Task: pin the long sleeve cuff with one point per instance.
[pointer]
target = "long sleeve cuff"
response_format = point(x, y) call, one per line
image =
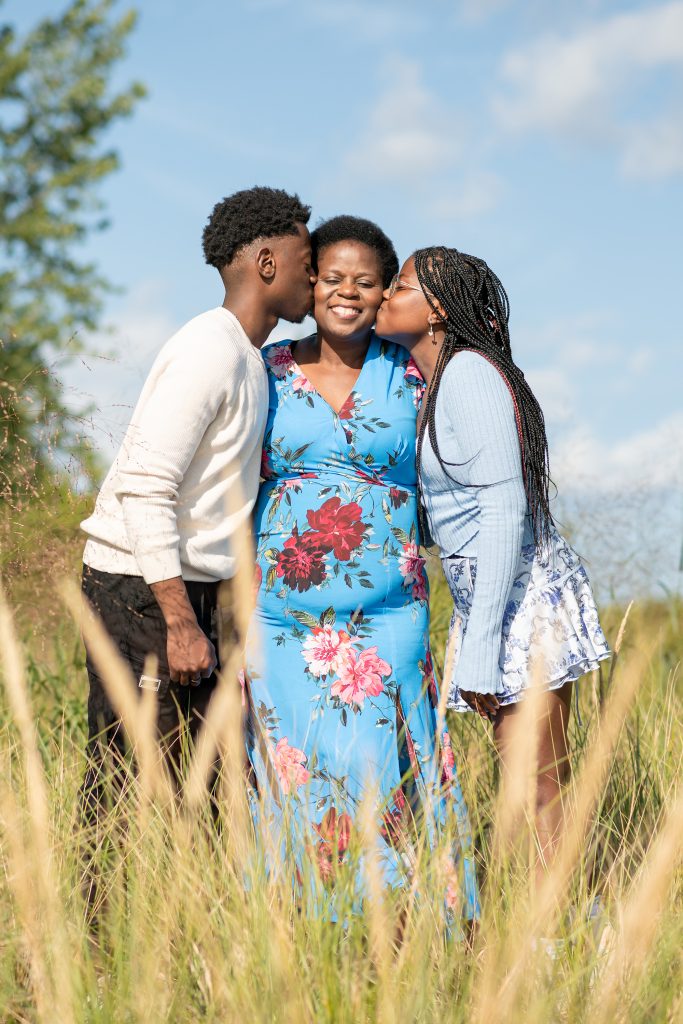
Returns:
point(156, 566)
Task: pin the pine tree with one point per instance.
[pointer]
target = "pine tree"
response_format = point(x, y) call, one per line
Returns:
point(56, 104)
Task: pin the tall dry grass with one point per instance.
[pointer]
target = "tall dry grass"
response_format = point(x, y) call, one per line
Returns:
point(203, 924)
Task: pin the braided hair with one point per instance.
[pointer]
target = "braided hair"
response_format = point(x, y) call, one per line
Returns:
point(477, 312)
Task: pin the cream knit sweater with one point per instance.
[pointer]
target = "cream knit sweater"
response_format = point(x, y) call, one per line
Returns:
point(187, 474)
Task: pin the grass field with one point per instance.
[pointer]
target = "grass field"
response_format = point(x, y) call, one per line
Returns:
point(183, 939)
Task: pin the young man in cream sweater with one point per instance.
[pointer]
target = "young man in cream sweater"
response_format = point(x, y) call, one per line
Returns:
point(160, 539)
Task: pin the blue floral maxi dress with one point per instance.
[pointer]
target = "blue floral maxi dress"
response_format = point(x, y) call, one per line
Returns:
point(340, 687)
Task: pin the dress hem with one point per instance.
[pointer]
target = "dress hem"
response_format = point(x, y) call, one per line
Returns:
point(507, 697)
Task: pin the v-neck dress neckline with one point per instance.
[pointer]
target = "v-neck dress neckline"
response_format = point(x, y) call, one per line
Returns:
point(302, 373)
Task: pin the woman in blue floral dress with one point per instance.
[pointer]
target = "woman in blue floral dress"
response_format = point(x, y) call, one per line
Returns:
point(339, 674)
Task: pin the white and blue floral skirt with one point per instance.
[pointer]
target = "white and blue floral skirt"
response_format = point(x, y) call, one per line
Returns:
point(550, 614)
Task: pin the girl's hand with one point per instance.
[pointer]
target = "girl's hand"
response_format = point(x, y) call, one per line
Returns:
point(485, 704)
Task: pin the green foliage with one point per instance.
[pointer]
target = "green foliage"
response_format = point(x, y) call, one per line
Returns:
point(56, 104)
point(40, 545)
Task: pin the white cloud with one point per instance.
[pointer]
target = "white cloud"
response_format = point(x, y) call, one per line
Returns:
point(648, 460)
point(653, 150)
point(573, 87)
point(407, 133)
point(639, 361)
point(412, 141)
point(469, 197)
point(558, 356)
point(577, 340)
point(554, 390)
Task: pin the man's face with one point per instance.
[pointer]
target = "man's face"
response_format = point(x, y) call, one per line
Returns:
point(292, 296)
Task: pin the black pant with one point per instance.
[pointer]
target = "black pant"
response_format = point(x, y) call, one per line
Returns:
point(133, 619)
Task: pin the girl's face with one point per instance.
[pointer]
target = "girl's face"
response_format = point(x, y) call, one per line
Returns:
point(348, 291)
point(403, 317)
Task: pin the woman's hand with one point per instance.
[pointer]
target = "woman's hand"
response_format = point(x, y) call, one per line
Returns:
point(485, 704)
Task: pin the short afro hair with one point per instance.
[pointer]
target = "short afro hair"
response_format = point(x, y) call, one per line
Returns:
point(245, 216)
point(345, 228)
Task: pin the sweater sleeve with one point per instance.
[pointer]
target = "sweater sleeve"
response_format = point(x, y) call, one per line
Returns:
point(483, 426)
point(166, 430)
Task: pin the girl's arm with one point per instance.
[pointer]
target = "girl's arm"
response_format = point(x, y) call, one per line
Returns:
point(482, 418)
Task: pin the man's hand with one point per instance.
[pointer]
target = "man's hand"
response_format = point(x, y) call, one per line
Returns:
point(191, 655)
point(485, 704)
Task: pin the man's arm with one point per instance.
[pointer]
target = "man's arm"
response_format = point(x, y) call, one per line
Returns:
point(191, 655)
point(178, 405)
point(167, 431)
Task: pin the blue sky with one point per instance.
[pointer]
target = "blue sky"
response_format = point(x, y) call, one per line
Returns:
point(545, 137)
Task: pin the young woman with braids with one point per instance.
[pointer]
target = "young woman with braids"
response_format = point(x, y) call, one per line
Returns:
point(520, 592)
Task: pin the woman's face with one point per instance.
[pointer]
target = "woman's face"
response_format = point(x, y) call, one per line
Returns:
point(349, 290)
point(404, 318)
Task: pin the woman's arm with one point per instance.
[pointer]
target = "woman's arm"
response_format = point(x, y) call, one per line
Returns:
point(482, 418)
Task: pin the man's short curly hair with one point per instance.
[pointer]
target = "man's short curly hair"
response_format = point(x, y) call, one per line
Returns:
point(253, 213)
point(346, 228)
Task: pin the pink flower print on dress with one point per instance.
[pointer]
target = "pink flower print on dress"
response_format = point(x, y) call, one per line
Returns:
point(410, 564)
point(243, 686)
point(412, 567)
point(326, 650)
point(335, 834)
point(280, 360)
point(415, 380)
point(413, 370)
point(360, 676)
point(302, 385)
point(295, 483)
point(289, 765)
point(447, 758)
point(453, 890)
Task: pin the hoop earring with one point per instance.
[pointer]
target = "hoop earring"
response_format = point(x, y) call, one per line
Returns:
point(431, 333)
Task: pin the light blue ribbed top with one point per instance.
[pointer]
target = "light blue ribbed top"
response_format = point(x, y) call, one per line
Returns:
point(479, 508)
